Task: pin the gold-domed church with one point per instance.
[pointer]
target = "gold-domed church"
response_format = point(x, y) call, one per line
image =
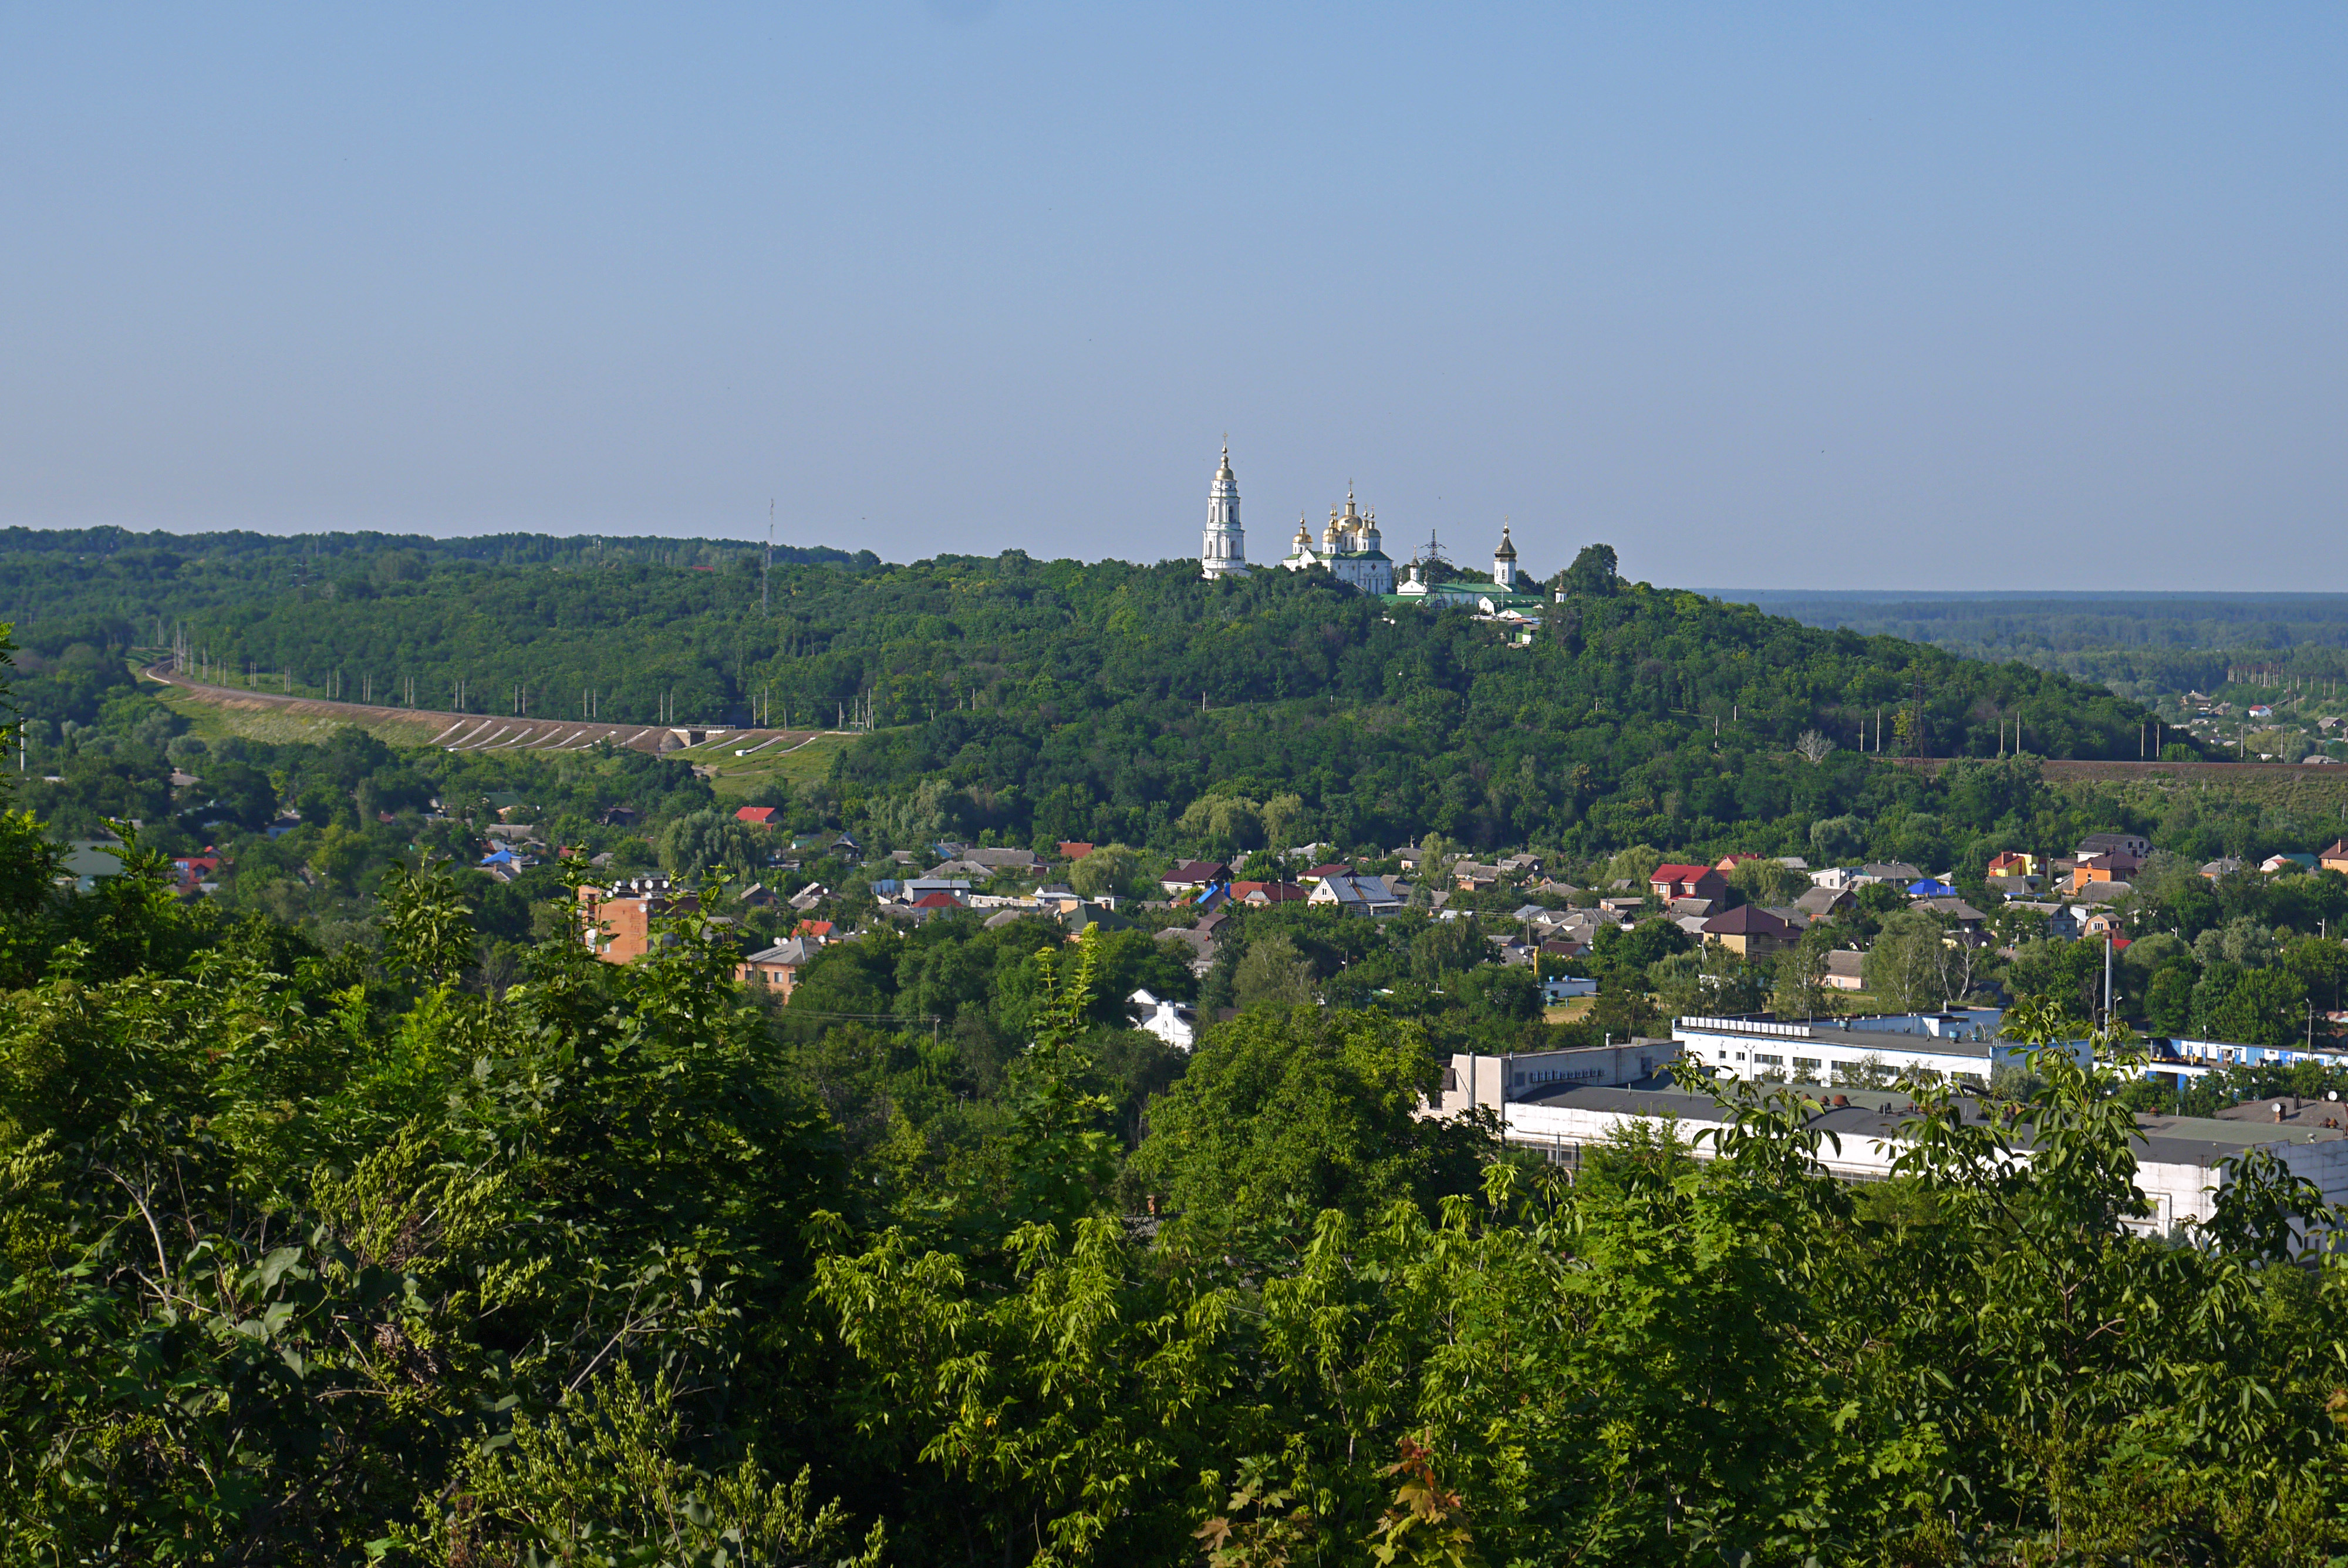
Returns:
point(1350, 548)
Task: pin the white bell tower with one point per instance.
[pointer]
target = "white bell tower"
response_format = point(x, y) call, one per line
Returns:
point(1223, 552)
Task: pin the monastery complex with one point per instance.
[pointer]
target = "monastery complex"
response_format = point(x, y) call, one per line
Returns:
point(1351, 550)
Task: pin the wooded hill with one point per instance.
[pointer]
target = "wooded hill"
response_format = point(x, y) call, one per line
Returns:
point(1059, 699)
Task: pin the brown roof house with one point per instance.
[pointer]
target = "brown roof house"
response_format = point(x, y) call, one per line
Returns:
point(1669, 882)
point(1750, 931)
point(1193, 875)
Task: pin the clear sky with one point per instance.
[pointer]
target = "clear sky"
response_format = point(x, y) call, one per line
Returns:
point(1851, 296)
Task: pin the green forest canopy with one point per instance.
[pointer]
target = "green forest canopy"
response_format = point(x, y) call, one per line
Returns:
point(1099, 700)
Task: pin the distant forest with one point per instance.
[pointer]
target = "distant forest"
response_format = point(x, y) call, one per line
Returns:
point(1103, 700)
point(2140, 645)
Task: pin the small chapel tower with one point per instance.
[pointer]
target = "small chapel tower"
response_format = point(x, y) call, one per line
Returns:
point(1504, 562)
point(1223, 552)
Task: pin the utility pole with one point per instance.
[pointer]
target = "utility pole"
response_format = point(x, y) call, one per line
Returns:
point(768, 570)
point(2107, 978)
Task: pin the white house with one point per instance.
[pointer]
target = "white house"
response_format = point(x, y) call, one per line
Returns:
point(1170, 1021)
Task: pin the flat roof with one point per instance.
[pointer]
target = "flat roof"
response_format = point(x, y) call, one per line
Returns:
point(1877, 1113)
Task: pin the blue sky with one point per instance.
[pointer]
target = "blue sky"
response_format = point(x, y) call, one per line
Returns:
point(1835, 297)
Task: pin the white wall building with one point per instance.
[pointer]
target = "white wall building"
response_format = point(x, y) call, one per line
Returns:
point(1960, 1045)
point(2181, 1159)
point(1170, 1021)
point(1350, 548)
point(1224, 551)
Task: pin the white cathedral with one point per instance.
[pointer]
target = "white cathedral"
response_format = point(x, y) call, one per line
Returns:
point(1349, 548)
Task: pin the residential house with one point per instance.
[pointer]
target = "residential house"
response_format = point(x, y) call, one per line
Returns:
point(1727, 863)
point(1516, 865)
point(1678, 881)
point(818, 932)
point(1473, 877)
point(2014, 886)
point(777, 969)
point(87, 862)
point(935, 900)
point(1259, 895)
point(1846, 971)
point(809, 896)
point(1200, 940)
point(2097, 844)
point(1750, 931)
point(1841, 878)
point(1193, 876)
point(914, 889)
point(1087, 916)
point(1334, 868)
point(2104, 892)
point(503, 864)
point(1897, 872)
point(1073, 849)
point(2336, 857)
point(826, 845)
point(2225, 865)
point(1356, 894)
point(2116, 865)
point(2014, 863)
point(198, 873)
point(2279, 865)
point(1565, 988)
point(1954, 911)
point(2101, 923)
point(758, 815)
point(1170, 1021)
point(616, 921)
point(1003, 859)
point(1929, 887)
point(1826, 903)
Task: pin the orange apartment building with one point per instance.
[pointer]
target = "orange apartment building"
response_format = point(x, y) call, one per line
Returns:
point(619, 918)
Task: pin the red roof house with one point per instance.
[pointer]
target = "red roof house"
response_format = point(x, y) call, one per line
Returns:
point(1073, 849)
point(757, 816)
point(1679, 881)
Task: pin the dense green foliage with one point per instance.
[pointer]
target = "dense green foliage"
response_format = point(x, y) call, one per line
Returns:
point(315, 1257)
point(307, 1260)
point(2139, 644)
point(1038, 700)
